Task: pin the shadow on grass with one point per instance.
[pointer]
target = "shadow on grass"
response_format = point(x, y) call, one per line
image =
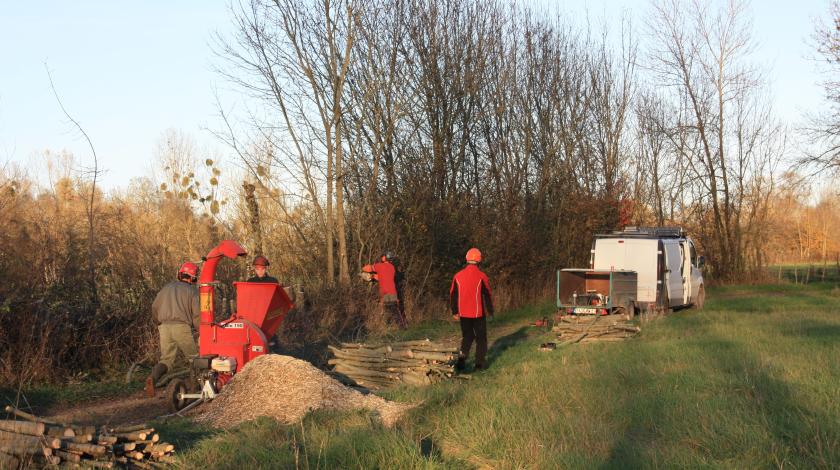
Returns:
point(796, 429)
point(183, 432)
point(799, 435)
point(504, 342)
point(642, 431)
point(816, 329)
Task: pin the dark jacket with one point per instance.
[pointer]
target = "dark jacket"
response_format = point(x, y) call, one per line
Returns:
point(264, 279)
point(177, 302)
point(469, 296)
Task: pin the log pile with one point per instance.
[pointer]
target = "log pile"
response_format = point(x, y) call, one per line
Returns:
point(381, 366)
point(573, 329)
point(29, 440)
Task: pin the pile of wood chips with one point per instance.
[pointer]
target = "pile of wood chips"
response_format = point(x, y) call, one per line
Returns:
point(380, 366)
point(572, 329)
point(35, 441)
point(285, 388)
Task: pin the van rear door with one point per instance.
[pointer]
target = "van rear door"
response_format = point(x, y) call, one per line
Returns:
point(673, 272)
point(640, 255)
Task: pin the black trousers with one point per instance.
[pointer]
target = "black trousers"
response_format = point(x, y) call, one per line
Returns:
point(474, 329)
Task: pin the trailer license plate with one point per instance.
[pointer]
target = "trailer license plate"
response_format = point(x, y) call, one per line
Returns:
point(585, 310)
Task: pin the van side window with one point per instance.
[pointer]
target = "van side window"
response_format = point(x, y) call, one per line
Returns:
point(693, 253)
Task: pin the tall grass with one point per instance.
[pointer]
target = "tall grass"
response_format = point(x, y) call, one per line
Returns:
point(753, 381)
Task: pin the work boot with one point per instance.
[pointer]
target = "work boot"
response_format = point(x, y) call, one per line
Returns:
point(158, 371)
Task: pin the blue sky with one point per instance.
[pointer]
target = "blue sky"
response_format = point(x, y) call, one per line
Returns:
point(127, 71)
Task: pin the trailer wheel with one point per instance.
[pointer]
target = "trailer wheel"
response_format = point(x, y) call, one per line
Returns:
point(174, 390)
point(701, 299)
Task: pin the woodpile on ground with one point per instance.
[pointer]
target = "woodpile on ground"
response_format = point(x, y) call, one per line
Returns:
point(573, 329)
point(32, 442)
point(380, 366)
point(285, 388)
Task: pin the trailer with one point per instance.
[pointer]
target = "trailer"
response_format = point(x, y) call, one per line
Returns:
point(596, 292)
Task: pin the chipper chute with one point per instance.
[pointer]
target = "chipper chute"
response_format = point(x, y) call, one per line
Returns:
point(225, 347)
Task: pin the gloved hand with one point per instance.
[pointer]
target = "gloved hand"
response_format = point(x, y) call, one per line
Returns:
point(456, 317)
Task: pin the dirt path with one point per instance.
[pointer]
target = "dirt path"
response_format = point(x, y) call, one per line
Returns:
point(132, 409)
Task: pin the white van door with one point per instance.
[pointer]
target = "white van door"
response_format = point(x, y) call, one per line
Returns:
point(685, 269)
point(673, 272)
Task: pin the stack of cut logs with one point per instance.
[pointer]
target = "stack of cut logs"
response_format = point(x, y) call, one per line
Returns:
point(588, 329)
point(381, 366)
point(39, 442)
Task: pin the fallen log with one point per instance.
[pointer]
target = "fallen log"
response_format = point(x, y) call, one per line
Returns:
point(23, 427)
point(29, 417)
point(22, 449)
point(163, 448)
point(46, 441)
point(132, 436)
point(84, 429)
point(125, 447)
point(60, 431)
point(131, 428)
point(364, 372)
point(90, 449)
point(82, 439)
point(106, 440)
point(97, 463)
point(68, 456)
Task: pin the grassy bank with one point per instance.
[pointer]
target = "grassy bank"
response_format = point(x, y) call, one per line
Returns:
point(752, 381)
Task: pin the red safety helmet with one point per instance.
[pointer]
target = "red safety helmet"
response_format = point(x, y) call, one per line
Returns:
point(473, 256)
point(189, 269)
point(261, 261)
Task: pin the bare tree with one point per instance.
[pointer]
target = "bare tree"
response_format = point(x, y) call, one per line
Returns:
point(294, 56)
point(90, 208)
point(725, 132)
point(824, 129)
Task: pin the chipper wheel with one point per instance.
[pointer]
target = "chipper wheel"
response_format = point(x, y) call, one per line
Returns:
point(174, 390)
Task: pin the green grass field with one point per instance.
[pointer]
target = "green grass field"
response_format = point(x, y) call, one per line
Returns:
point(753, 381)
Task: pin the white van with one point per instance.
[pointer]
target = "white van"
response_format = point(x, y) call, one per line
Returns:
point(665, 259)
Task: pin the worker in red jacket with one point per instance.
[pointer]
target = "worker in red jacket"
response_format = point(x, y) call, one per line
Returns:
point(386, 274)
point(471, 302)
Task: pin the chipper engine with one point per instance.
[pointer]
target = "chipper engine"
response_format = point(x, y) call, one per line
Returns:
point(225, 347)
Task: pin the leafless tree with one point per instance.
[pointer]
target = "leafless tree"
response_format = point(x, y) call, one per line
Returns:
point(725, 134)
point(294, 57)
point(90, 208)
point(823, 129)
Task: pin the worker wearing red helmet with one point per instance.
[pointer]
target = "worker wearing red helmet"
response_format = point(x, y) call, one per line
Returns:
point(386, 274)
point(177, 313)
point(261, 265)
point(471, 302)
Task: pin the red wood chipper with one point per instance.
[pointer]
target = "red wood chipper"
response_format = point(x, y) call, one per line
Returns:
point(225, 347)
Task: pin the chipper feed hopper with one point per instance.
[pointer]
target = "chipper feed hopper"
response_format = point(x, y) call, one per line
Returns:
point(225, 347)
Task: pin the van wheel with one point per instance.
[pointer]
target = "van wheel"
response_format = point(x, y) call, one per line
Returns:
point(701, 299)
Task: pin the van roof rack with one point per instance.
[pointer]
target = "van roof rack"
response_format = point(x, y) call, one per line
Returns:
point(632, 231)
